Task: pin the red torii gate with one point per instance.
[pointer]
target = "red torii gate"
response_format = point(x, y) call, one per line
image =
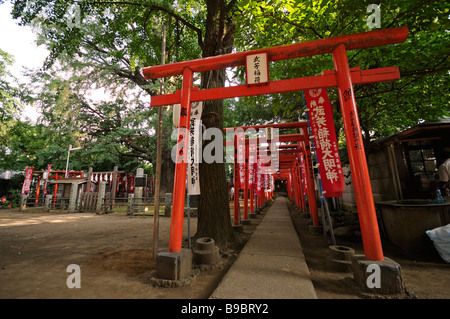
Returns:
point(303, 148)
point(343, 78)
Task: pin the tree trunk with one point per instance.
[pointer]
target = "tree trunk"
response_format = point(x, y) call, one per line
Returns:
point(167, 167)
point(213, 212)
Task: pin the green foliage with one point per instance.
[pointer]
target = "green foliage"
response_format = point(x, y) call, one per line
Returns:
point(384, 108)
point(13, 201)
point(12, 94)
point(115, 39)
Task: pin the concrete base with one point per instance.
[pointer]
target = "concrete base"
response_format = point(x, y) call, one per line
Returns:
point(339, 258)
point(252, 216)
point(206, 252)
point(238, 228)
point(389, 275)
point(245, 222)
point(174, 266)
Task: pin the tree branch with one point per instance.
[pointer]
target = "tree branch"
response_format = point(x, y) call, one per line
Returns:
point(408, 11)
point(292, 23)
point(162, 9)
point(143, 156)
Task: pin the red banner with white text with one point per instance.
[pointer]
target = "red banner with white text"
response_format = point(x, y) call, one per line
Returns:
point(27, 181)
point(320, 114)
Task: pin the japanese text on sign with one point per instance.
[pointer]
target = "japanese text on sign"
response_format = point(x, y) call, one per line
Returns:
point(257, 69)
point(322, 126)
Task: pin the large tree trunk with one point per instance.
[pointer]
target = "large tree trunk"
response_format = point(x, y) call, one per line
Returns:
point(213, 211)
point(167, 171)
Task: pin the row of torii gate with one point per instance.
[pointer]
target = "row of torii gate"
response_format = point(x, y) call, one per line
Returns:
point(289, 158)
point(342, 77)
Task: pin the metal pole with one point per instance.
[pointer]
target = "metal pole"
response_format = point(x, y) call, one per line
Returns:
point(358, 164)
point(189, 220)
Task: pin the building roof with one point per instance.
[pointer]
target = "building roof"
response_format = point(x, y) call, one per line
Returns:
point(78, 180)
point(431, 130)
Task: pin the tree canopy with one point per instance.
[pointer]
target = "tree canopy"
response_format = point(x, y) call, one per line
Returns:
point(105, 44)
point(384, 108)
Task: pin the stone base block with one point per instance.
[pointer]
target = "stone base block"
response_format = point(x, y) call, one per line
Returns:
point(339, 258)
point(174, 266)
point(245, 222)
point(206, 252)
point(206, 257)
point(377, 277)
point(252, 216)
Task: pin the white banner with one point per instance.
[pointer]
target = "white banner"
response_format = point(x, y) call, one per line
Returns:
point(194, 151)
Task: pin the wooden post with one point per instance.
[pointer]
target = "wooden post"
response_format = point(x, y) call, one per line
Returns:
point(158, 158)
point(73, 197)
point(101, 196)
point(84, 199)
point(38, 188)
point(114, 186)
point(48, 201)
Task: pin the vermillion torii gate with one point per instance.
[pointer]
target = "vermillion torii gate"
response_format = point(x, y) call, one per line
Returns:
point(343, 78)
point(304, 148)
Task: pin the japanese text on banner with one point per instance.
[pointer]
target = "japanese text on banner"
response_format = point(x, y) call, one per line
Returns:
point(322, 126)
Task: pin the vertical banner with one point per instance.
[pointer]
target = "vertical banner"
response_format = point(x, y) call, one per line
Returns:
point(322, 126)
point(269, 134)
point(241, 157)
point(252, 165)
point(46, 176)
point(303, 170)
point(194, 151)
point(272, 138)
point(259, 179)
point(27, 181)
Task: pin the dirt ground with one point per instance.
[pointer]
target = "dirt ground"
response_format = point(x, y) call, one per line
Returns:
point(114, 252)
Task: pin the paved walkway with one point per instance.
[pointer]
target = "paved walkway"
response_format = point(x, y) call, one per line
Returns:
point(272, 264)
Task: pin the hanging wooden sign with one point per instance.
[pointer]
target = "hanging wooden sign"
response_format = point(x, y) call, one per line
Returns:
point(257, 69)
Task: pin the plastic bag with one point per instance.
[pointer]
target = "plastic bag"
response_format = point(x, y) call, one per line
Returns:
point(441, 240)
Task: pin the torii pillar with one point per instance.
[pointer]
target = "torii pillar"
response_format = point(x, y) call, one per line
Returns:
point(358, 164)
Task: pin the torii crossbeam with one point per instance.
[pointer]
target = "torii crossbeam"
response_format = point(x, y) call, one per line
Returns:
point(342, 77)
